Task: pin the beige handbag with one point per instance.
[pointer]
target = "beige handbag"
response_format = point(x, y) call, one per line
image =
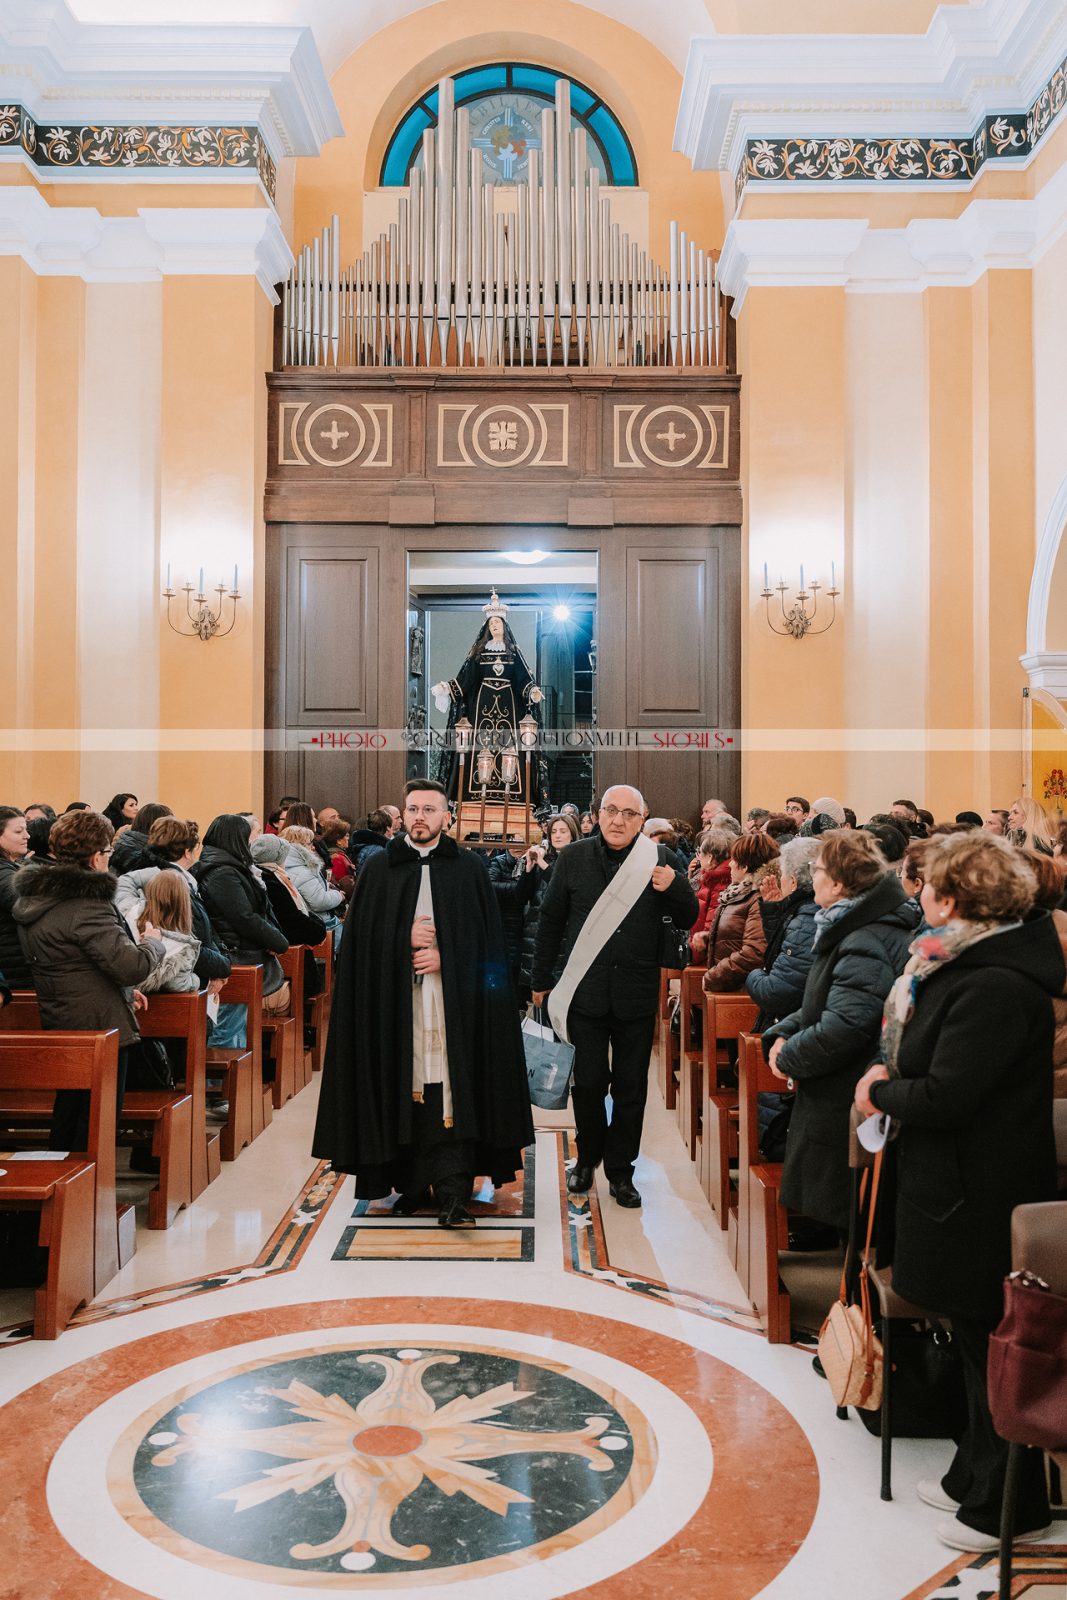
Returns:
point(850, 1353)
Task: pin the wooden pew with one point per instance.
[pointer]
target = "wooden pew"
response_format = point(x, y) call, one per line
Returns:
point(168, 1112)
point(292, 963)
point(285, 1032)
point(726, 1017)
point(184, 1016)
point(690, 1058)
point(244, 987)
point(667, 1046)
point(317, 1007)
point(763, 1223)
point(30, 1062)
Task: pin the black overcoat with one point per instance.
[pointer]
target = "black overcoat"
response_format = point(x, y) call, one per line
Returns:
point(624, 978)
point(974, 1103)
point(365, 1120)
point(832, 1040)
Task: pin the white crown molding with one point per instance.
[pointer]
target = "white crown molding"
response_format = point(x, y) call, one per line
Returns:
point(972, 61)
point(76, 241)
point(1047, 670)
point(949, 252)
point(62, 70)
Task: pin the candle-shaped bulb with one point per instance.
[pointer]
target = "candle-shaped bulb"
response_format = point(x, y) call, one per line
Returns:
point(168, 574)
point(201, 588)
point(235, 578)
point(833, 576)
point(802, 579)
point(766, 585)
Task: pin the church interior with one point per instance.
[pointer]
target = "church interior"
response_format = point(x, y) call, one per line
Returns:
point(605, 398)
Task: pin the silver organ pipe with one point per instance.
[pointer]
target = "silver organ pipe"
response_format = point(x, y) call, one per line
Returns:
point(463, 228)
point(458, 279)
point(549, 266)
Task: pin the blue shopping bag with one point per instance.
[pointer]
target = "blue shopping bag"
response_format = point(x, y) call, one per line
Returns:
point(549, 1062)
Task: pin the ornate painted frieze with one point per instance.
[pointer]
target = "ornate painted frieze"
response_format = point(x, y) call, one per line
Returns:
point(144, 146)
point(853, 158)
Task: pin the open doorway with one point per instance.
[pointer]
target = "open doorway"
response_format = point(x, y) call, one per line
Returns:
point(547, 606)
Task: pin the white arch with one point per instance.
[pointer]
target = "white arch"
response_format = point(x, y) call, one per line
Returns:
point(1044, 566)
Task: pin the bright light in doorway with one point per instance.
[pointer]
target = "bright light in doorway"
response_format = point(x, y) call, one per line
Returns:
point(524, 558)
point(561, 613)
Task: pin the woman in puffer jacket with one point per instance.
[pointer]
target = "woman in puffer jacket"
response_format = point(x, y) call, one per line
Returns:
point(736, 940)
point(168, 907)
point(308, 877)
point(777, 985)
point(173, 846)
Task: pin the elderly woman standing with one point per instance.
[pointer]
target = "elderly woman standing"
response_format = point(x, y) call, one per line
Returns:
point(863, 928)
point(967, 1047)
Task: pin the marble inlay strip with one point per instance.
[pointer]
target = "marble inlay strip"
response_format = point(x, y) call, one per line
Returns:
point(904, 158)
point(585, 1253)
point(1036, 1570)
point(282, 1252)
point(428, 1242)
point(140, 147)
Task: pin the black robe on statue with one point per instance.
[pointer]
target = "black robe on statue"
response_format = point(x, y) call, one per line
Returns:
point(365, 1122)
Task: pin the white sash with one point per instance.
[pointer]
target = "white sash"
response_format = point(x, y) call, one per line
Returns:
point(616, 902)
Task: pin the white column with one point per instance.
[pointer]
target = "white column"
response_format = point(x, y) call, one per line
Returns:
point(119, 606)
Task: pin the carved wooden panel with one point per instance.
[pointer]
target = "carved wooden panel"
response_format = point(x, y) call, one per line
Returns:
point(668, 436)
point(534, 435)
point(331, 635)
point(671, 643)
point(572, 446)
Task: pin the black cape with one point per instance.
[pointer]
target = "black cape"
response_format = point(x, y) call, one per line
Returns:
point(365, 1117)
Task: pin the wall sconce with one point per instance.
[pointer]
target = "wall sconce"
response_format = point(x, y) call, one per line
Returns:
point(206, 623)
point(798, 620)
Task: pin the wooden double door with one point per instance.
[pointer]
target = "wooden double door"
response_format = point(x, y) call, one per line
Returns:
point(668, 656)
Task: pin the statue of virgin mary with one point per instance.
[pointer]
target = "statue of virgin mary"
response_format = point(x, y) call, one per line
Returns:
point(494, 689)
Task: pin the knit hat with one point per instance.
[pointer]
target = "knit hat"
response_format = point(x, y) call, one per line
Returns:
point(829, 808)
point(271, 849)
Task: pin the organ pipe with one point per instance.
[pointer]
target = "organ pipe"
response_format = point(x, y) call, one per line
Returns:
point(456, 280)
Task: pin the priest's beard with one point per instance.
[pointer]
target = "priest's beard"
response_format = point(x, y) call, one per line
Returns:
point(425, 834)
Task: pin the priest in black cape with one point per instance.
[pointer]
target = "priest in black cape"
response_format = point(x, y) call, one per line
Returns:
point(424, 1083)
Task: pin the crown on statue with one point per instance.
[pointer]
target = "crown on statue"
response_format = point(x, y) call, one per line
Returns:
point(496, 607)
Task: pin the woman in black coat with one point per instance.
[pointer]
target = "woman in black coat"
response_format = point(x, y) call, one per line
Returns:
point(862, 936)
point(237, 903)
point(968, 1077)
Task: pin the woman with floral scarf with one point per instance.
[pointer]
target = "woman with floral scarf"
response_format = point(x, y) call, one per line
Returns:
point(966, 1079)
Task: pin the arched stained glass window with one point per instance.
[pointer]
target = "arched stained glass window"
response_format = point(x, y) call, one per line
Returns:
point(505, 104)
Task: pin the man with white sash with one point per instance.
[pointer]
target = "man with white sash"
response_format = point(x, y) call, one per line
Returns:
point(605, 909)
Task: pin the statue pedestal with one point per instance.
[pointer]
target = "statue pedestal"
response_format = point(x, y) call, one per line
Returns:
point(483, 828)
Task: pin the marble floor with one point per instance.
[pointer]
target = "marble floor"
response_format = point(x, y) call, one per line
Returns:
point(288, 1392)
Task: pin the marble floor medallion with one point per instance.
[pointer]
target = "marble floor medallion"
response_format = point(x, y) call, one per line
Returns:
point(491, 1449)
point(454, 1459)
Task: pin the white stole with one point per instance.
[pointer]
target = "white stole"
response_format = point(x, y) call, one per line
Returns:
point(613, 906)
point(429, 1047)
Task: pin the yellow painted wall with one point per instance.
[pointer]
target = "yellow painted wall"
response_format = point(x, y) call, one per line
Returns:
point(1048, 766)
point(376, 85)
point(792, 354)
point(824, 16)
point(132, 432)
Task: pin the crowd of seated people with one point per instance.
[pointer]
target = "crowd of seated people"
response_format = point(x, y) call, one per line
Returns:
point(910, 966)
